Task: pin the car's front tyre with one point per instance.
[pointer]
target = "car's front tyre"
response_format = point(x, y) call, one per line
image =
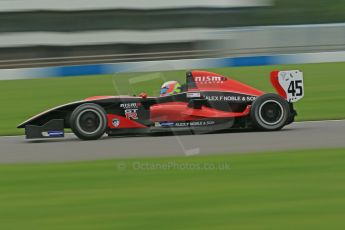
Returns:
point(269, 112)
point(88, 121)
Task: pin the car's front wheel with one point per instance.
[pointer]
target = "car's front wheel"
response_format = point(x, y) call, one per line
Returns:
point(269, 112)
point(88, 121)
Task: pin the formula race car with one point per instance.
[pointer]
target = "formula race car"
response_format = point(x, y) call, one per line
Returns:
point(207, 102)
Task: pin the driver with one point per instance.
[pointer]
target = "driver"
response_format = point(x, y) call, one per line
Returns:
point(170, 88)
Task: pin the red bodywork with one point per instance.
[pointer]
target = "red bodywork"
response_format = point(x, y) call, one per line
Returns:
point(179, 111)
point(276, 85)
point(207, 81)
point(204, 81)
point(124, 123)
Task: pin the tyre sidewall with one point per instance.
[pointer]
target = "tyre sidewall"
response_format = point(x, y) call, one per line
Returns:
point(258, 122)
point(80, 132)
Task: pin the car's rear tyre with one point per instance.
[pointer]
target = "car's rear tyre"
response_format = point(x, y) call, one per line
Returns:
point(88, 121)
point(269, 112)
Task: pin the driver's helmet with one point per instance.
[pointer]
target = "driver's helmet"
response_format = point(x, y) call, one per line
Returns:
point(170, 88)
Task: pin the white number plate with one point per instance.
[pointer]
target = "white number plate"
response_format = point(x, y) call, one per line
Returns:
point(292, 83)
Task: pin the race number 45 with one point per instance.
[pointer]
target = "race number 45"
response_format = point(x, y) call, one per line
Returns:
point(292, 83)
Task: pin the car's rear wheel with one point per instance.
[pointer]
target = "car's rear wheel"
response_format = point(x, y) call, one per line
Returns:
point(269, 112)
point(88, 121)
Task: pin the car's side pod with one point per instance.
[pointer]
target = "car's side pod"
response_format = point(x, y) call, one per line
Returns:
point(197, 103)
point(288, 84)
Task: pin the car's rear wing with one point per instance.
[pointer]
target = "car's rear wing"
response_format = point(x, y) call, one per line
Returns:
point(289, 84)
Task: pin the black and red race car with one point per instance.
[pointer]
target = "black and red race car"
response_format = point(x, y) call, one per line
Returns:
point(208, 102)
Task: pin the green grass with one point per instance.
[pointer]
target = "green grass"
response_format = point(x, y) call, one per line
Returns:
point(20, 99)
point(287, 190)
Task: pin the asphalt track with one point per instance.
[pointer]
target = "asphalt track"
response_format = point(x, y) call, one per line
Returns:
point(300, 135)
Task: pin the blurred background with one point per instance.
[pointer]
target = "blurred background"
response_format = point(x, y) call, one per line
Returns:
point(45, 42)
point(106, 43)
point(51, 33)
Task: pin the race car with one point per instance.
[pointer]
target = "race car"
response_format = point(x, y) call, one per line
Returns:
point(207, 102)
